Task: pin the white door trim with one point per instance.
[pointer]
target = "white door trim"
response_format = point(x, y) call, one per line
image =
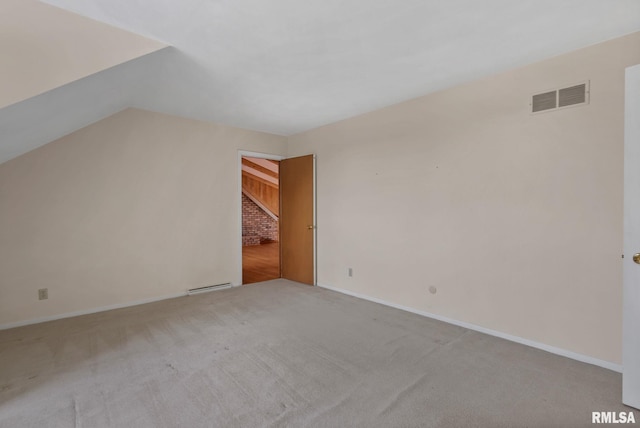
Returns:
point(241, 154)
point(630, 270)
point(315, 223)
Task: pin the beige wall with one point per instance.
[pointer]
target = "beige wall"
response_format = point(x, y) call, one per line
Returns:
point(137, 206)
point(515, 218)
point(49, 47)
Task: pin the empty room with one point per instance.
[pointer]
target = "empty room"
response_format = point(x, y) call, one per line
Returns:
point(269, 213)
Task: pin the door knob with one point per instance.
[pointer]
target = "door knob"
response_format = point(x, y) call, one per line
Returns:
point(311, 227)
point(636, 258)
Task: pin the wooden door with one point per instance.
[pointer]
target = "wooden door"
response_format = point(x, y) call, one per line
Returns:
point(631, 264)
point(297, 228)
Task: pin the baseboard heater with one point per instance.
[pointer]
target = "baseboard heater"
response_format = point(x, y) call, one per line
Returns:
point(208, 288)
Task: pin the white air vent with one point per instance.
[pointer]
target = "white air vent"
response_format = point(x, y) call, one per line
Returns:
point(560, 98)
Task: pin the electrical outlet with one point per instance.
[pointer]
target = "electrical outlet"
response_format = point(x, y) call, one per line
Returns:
point(350, 272)
point(43, 294)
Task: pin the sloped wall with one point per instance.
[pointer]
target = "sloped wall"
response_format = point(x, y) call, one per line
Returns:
point(45, 47)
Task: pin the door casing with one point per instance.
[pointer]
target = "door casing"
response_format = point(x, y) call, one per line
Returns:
point(631, 270)
point(241, 154)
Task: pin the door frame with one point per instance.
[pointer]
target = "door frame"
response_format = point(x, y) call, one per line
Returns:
point(315, 223)
point(241, 154)
point(630, 287)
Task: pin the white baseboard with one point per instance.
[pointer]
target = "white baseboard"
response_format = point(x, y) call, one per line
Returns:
point(533, 344)
point(90, 311)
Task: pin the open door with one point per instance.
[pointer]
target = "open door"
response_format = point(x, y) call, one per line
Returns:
point(631, 261)
point(297, 225)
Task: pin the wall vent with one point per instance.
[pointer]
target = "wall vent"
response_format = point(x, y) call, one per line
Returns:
point(572, 95)
point(542, 102)
point(556, 99)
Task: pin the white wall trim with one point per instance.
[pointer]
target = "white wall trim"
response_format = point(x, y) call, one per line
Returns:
point(512, 338)
point(527, 342)
point(90, 311)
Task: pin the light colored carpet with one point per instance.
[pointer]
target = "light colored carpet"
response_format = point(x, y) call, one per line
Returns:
point(283, 354)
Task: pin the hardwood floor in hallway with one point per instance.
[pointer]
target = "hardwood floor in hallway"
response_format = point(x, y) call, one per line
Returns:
point(260, 262)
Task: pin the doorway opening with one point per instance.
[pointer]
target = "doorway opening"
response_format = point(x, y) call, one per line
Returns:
point(260, 219)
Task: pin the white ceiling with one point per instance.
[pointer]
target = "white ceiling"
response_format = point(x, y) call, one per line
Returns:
point(285, 66)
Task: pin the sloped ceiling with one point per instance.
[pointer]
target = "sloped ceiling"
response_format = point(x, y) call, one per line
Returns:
point(59, 73)
point(285, 66)
point(44, 47)
point(29, 124)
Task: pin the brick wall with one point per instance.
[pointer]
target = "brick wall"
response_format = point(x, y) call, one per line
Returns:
point(257, 226)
